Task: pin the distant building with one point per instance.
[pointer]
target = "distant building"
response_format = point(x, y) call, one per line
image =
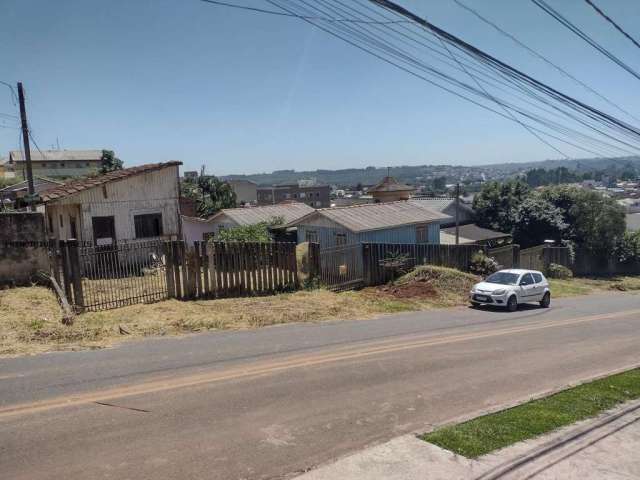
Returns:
point(245, 190)
point(133, 203)
point(190, 175)
point(447, 206)
point(57, 163)
point(389, 222)
point(199, 229)
point(390, 190)
point(317, 196)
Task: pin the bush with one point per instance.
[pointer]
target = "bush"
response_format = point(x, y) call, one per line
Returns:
point(559, 271)
point(481, 264)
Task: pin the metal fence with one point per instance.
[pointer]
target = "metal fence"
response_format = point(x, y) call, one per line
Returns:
point(341, 267)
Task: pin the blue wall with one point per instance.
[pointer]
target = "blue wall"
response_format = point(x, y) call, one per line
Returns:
point(403, 234)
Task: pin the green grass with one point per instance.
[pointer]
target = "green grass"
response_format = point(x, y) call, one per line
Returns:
point(483, 435)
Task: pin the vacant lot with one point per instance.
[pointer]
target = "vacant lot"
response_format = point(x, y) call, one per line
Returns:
point(30, 318)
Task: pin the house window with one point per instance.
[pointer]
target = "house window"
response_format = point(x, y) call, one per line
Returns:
point(421, 234)
point(50, 224)
point(148, 225)
point(72, 226)
point(341, 238)
point(311, 236)
point(303, 195)
point(61, 222)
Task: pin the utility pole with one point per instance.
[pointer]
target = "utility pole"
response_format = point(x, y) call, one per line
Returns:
point(457, 214)
point(27, 149)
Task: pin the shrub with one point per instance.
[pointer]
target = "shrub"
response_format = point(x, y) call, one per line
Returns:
point(559, 271)
point(481, 264)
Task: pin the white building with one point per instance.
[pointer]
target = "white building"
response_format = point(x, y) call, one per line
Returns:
point(245, 190)
point(57, 163)
point(133, 203)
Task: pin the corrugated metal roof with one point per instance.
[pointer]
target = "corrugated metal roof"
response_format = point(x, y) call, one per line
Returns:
point(57, 155)
point(449, 239)
point(252, 215)
point(79, 185)
point(438, 204)
point(475, 233)
point(379, 216)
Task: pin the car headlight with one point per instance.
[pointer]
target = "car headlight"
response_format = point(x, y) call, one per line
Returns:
point(502, 291)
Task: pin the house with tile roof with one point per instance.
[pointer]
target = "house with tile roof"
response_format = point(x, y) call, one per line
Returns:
point(390, 190)
point(199, 229)
point(140, 202)
point(389, 222)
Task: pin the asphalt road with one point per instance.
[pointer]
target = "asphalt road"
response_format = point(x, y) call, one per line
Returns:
point(274, 402)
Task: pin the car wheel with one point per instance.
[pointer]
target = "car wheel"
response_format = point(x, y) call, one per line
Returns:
point(512, 303)
point(546, 300)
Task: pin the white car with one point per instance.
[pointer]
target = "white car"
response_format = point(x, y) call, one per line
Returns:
point(509, 288)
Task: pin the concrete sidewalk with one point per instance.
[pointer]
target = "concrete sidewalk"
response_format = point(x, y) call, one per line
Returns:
point(605, 447)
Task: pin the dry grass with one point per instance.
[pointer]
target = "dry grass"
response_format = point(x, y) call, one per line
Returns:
point(30, 318)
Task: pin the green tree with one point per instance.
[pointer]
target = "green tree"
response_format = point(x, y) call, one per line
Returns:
point(537, 220)
point(628, 249)
point(259, 232)
point(109, 162)
point(497, 203)
point(210, 194)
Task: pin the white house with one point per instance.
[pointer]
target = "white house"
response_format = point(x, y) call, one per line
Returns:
point(58, 163)
point(133, 203)
point(198, 229)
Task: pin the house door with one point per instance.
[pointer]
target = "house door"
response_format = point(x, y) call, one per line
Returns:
point(104, 231)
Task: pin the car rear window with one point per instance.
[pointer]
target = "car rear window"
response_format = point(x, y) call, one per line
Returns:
point(537, 277)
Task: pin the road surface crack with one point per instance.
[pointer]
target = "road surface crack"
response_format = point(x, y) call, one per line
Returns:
point(121, 406)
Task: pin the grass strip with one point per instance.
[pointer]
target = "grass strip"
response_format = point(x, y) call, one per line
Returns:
point(485, 434)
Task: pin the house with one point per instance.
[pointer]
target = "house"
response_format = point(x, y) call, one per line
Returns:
point(473, 234)
point(245, 190)
point(447, 205)
point(14, 193)
point(198, 229)
point(317, 196)
point(390, 190)
point(133, 203)
point(391, 222)
point(58, 163)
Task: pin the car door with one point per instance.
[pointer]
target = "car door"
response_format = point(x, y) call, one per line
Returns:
point(527, 288)
point(538, 285)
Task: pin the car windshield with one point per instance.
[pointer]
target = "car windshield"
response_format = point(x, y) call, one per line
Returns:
point(503, 278)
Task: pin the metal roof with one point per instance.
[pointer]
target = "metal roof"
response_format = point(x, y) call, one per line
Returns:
point(438, 204)
point(475, 233)
point(57, 155)
point(252, 215)
point(81, 184)
point(378, 216)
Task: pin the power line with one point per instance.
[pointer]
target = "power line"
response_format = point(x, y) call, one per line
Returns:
point(610, 20)
point(369, 48)
point(557, 16)
point(286, 14)
point(542, 57)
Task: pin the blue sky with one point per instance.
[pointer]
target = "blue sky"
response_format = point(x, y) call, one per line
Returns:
point(243, 93)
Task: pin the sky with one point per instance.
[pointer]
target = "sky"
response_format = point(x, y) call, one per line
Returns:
point(239, 92)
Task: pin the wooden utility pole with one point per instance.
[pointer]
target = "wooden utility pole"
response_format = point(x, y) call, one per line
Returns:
point(457, 214)
point(27, 149)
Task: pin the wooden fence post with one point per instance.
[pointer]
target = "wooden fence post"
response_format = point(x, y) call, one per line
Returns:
point(74, 260)
point(169, 269)
point(314, 260)
point(66, 270)
point(366, 264)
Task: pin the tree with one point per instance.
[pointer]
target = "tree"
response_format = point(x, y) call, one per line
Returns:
point(440, 184)
point(109, 162)
point(259, 232)
point(497, 203)
point(537, 220)
point(210, 194)
point(628, 249)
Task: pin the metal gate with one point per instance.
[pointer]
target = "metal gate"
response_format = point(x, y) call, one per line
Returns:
point(341, 267)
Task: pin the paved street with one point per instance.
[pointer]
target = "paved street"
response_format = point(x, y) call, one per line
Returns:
point(274, 402)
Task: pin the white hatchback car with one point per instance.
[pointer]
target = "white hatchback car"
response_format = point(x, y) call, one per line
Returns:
point(509, 288)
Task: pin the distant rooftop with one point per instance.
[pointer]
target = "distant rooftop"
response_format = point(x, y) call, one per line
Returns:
point(390, 184)
point(57, 155)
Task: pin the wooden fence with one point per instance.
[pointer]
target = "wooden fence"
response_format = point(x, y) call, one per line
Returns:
point(100, 278)
point(383, 261)
point(507, 256)
point(533, 258)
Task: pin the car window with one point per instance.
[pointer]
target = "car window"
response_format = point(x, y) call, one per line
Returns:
point(537, 277)
point(526, 279)
point(503, 278)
